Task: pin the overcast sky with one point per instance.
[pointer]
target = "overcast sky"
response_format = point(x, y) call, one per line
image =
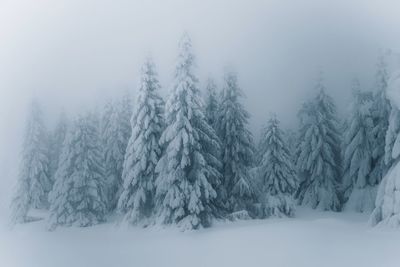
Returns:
point(74, 54)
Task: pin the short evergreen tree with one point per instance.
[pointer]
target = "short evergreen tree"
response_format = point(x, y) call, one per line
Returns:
point(211, 102)
point(318, 153)
point(359, 185)
point(78, 196)
point(237, 147)
point(184, 187)
point(143, 152)
point(34, 181)
point(115, 131)
point(277, 175)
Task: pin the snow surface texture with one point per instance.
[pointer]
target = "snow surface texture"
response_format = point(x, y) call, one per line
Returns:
point(313, 239)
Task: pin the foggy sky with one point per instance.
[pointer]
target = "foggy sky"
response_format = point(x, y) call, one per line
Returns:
point(75, 54)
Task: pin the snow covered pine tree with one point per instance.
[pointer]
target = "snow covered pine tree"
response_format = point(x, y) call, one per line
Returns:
point(318, 153)
point(78, 196)
point(387, 204)
point(34, 181)
point(237, 148)
point(211, 102)
point(380, 113)
point(143, 153)
point(186, 171)
point(277, 176)
point(115, 133)
point(358, 184)
point(56, 143)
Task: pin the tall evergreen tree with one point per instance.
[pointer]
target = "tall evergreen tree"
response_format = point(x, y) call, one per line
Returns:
point(277, 175)
point(184, 187)
point(34, 181)
point(237, 147)
point(380, 113)
point(387, 202)
point(211, 102)
point(144, 151)
point(56, 143)
point(359, 184)
point(291, 139)
point(318, 153)
point(125, 116)
point(78, 196)
point(115, 132)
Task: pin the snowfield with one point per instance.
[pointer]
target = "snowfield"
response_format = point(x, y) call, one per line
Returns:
point(320, 239)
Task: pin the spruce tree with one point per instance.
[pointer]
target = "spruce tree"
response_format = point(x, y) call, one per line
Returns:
point(211, 102)
point(115, 132)
point(359, 185)
point(34, 181)
point(184, 187)
point(276, 173)
point(237, 148)
point(318, 153)
point(291, 139)
point(143, 152)
point(56, 143)
point(387, 202)
point(78, 197)
point(380, 113)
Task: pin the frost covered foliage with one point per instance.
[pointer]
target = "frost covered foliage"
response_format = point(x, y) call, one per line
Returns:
point(56, 143)
point(34, 181)
point(291, 140)
point(185, 189)
point(78, 197)
point(211, 102)
point(237, 147)
point(380, 113)
point(318, 153)
point(115, 133)
point(387, 204)
point(277, 176)
point(359, 184)
point(144, 151)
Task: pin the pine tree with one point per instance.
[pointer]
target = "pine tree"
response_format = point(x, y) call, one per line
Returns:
point(57, 140)
point(34, 182)
point(291, 139)
point(144, 151)
point(115, 134)
point(184, 187)
point(359, 185)
point(211, 102)
point(78, 196)
point(277, 175)
point(125, 117)
point(318, 153)
point(237, 148)
point(387, 202)
point(380, 113)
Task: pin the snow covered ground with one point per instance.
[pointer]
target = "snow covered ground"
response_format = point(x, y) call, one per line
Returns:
point(314, 238)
